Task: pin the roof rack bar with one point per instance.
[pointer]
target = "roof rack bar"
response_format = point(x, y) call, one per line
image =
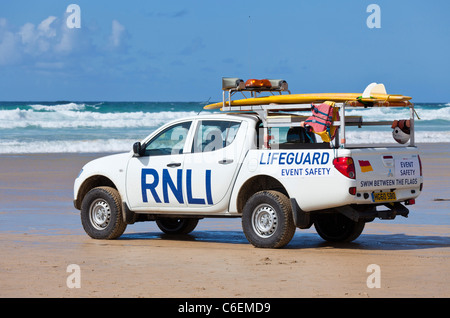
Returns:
point(342, 140)
point(411, 128)
point(273, 107)
point(272, 116)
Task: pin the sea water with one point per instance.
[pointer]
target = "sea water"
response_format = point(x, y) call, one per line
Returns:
point(86, 127)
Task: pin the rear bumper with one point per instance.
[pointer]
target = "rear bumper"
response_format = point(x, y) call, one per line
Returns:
point(402, 195)
point(387, 211)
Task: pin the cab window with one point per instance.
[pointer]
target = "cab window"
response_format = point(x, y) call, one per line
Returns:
point(212, 135)
point(170, 141)
point(291, 138)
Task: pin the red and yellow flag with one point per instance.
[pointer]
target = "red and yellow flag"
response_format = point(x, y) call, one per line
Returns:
point(365, 165)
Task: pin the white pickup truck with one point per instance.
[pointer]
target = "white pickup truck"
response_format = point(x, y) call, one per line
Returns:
point(264, 168)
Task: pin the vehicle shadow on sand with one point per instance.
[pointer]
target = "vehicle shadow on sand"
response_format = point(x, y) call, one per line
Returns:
point(308, 240)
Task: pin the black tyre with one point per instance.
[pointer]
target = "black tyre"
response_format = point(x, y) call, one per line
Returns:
point(336, 227)
point(176, 225)
point(267, 220)
point(101, 213)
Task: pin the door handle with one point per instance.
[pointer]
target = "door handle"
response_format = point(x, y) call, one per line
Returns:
point(174, 164)
point(225, 161)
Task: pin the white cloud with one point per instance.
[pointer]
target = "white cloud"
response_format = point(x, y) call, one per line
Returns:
point(8, 45)
point(27, 33)
point(28, 41)
point(50, 42)
point(46, 29)
point(119, 35)
point(69, 40)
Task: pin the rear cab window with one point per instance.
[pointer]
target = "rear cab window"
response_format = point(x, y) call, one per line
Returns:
point(291, 138)
point(213, 135)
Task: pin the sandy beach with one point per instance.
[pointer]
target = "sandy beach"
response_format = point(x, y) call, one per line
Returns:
point(41, 236)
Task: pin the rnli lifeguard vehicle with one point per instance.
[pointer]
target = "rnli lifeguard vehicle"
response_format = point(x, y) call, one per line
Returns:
point(279, 161)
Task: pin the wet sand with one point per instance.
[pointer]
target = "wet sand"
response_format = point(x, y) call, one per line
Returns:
point(41, 235)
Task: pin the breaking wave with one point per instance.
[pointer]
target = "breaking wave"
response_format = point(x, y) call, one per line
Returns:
point(69, 118)
point(84, 127)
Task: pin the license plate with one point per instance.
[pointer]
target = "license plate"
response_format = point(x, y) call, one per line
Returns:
point(383, 196)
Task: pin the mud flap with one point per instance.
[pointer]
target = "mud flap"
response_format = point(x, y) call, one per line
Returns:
point(301, 218)
point(129, 217)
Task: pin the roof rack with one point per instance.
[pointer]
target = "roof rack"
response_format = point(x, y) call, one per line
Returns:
point(280, 115)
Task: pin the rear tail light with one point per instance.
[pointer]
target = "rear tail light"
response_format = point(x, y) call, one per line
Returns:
point(352, 190)
point(345, 166)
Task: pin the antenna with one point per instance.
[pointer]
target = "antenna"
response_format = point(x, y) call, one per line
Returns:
point(249, 52)
point(206, 103)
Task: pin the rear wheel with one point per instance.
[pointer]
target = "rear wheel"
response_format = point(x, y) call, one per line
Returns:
point(101, 213)
point(267, 220)
point(177, 225)
point(336, 227)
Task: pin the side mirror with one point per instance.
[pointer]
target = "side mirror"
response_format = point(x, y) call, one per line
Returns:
point(137, 149)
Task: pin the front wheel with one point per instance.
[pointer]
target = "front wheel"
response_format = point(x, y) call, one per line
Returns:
point(177, 226)
point(101, 213)
point(267, 220)
point(336, 227)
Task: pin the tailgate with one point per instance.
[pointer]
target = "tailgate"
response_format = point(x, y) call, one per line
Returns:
point(387, 174)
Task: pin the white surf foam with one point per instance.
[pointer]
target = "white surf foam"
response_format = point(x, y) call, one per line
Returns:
point(380, 113)
point(124, 145)
point(361, 137)
point(22, 118)
point(66, 146)
point(60, 107)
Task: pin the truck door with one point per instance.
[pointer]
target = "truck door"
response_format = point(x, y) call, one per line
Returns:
point(214, 160)
point(155, 180)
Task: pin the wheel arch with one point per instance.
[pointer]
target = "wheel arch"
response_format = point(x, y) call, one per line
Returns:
point(256, 184)
point(89, 184)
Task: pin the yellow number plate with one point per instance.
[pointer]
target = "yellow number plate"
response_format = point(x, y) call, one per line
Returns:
point(383, 196)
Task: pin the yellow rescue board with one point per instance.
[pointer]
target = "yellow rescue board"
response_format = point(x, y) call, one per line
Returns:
point(313, 98)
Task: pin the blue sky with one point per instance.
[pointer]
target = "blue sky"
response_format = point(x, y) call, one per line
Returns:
point(179, 50)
